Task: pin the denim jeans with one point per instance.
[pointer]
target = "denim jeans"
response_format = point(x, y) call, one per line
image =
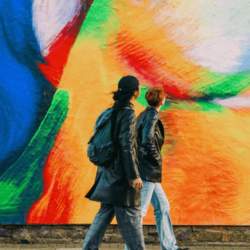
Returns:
point(154, 193)
point(129, 223)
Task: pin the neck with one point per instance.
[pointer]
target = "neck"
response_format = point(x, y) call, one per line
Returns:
point(156, 108)
point(132, 100)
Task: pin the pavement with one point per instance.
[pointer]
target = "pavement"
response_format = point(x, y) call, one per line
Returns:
point(115, 247)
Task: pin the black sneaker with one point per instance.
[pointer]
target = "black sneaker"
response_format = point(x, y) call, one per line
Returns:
point(182, 248)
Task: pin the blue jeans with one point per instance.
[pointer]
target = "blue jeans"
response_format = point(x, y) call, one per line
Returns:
point(129, 223)
point(154, 193)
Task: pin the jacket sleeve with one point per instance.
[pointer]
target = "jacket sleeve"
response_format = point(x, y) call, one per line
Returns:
point(148, 132)
point(128, 144)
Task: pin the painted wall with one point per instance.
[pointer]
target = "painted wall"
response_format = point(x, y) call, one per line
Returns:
point(58, 67)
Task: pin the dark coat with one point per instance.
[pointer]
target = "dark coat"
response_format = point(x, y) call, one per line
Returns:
point(150, 141)
point(112, 184)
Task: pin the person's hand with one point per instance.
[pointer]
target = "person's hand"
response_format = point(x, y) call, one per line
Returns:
point(137, 184)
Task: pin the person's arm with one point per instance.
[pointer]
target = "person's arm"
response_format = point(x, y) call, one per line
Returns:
point(127, 141)
point(148, 133)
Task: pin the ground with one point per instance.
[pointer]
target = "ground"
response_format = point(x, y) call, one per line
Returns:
point(114, 247)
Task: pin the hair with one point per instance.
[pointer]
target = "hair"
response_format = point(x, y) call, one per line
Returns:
point(122, 98)
point(155, 96)
point(127, 87)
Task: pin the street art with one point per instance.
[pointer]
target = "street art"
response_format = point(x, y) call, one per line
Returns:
point(60, 61)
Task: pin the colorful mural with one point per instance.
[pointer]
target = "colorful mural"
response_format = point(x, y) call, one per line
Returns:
point(60, 62)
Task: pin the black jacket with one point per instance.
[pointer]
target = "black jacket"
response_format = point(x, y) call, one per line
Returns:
point(150, 140)
point(112, 184)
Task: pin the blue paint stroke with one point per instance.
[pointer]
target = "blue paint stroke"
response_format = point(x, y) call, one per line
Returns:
point(25, 95)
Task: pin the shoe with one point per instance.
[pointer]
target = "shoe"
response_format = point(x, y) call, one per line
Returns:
point(182, 248)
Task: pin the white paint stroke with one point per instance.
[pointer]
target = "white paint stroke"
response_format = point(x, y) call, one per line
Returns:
point(50, 17)
point(214, 34)
point(234, 102)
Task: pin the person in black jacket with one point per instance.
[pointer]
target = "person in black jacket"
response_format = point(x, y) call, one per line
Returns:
point(118, 186)
point(150, 141)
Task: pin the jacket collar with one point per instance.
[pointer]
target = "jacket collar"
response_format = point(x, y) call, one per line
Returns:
point(152, 108)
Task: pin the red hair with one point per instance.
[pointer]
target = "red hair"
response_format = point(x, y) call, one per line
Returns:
point(155, 96)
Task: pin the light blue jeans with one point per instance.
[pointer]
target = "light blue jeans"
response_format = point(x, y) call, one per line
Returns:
point(154, 193)
point(129, 223)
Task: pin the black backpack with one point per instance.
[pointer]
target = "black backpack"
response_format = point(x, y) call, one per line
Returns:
point(101, 146)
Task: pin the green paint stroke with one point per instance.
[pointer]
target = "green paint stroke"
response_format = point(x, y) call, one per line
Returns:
point(22, 183)
point(224, 85)
point(100, 21)
point(210, 107)
point(197, 106)
point(141, 98)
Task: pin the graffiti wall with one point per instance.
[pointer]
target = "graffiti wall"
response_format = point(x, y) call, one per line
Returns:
point(60, 61)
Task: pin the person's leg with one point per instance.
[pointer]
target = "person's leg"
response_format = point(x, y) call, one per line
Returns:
point(97, 229)
point(129, 223)
point(163, 221)
point(146, 196)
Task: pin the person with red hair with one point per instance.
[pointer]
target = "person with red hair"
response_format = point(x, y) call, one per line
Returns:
point(150, 132)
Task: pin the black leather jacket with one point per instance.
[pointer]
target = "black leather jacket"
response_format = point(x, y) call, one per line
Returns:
point(112, 184)
point(150, 140)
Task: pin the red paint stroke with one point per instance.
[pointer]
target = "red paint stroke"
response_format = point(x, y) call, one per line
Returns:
point(148, 66)
point(59, 50)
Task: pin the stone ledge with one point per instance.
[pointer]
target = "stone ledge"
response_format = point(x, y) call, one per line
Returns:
point(112, 247)
point(63, 234)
